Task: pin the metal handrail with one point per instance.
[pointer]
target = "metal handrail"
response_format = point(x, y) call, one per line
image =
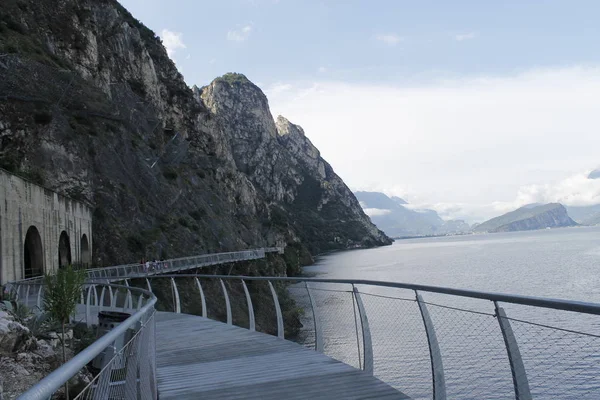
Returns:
point(56, 379)
point(516, 364)
point(137, 269)
point(557, 304)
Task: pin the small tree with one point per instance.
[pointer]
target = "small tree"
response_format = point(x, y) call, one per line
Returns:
point(61, 293)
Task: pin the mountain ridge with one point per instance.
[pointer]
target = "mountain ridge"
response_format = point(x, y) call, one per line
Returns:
point(528, 217)
point(109, 121)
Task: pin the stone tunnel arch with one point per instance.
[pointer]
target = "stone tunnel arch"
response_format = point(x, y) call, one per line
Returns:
point(85, 251)
point(33, 253)
point(64, 250)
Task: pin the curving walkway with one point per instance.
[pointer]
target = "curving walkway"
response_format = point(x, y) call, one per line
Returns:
point(201, 358)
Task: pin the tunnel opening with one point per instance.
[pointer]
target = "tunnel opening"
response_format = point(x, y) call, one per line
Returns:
point(33, 253)
point(85, 252)
point(64, 250)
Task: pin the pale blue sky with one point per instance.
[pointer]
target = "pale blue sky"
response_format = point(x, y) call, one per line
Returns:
point(291, 40)
point(469, 107)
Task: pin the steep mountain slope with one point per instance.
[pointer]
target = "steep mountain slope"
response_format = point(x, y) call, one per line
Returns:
point(583, 214)
point(395, 219)
point(282, 162)
point(551, 215)
point(91, 106)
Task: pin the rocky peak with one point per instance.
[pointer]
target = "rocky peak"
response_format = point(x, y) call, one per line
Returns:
point(295, 141)
point(245, 105)
point(97, 109)
point(286, 128)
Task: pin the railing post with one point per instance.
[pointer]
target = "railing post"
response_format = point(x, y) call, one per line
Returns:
point(437, 367)
point(227, 304)
point(280, 330)
point(113, 297)
point(316, 319)
point(252, 324)
point(88, 311)
point(364, 322)
point(101, 301)
point(39, 297)
point(27, 295)
point(175, 297)
point(149, 286)
point(202, 299)
point(517, 369)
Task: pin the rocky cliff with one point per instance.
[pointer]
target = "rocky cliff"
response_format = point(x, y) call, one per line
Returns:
point(91, 106)
point(553, 215)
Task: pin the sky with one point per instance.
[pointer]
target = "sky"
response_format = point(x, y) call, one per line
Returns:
point(472, 108)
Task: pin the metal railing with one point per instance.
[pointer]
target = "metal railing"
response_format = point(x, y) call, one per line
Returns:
point(165, 266)
point(121, 363)
point(428, 342)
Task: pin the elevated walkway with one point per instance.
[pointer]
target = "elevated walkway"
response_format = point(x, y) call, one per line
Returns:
point(198, 358)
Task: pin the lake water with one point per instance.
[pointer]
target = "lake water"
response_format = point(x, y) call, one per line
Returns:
point(558, 263)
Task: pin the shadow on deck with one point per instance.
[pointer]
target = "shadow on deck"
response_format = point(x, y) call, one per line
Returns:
point(201, 358)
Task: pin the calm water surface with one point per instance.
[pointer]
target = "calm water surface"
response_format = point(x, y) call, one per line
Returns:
point(561, 263)
point(558, 263)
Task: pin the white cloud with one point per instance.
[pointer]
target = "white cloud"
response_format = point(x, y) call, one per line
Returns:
point(465, 36)
point(374, 212)
point(322, 69)
point(277, 89)
point(471, 147)
point(172, 41)
point(239, 35)
point(575, 190)
point(391, 39)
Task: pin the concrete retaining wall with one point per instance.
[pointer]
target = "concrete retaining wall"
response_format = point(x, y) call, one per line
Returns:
point(24, 204)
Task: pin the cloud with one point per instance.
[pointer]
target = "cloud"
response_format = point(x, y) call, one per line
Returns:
point(465, 36)
point(391, 39)
point(575, 190)
point(374, 212)
point(172, 41)
point(322, 69)
point(469, 146)
point(239, 35)
point(277, 89)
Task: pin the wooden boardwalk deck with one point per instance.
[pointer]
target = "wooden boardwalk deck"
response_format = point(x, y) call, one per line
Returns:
point(198, 358)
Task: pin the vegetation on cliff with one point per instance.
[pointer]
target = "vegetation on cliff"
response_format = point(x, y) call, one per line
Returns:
point(91, 106)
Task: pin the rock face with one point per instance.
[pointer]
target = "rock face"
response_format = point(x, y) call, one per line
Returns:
point(23, 359)
point(13, 335)
point(286, 167)
point(526, 218)
point(91, 106)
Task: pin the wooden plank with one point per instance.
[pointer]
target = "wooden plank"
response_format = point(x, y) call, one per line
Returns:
point(201, 358)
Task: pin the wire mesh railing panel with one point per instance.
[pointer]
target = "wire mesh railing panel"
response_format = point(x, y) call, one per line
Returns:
point(342, 336)
point(400, 350)
point(128, 372)
point(306, 334)
point(560, 363)
point(475, 360)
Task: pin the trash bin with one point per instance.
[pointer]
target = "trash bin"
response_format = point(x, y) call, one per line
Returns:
point(107, 321)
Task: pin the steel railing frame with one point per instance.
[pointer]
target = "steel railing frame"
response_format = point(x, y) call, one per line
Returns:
point(520, 382)
point(55, 380)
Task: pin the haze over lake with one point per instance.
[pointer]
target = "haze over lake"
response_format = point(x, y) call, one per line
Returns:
point(561, 263)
